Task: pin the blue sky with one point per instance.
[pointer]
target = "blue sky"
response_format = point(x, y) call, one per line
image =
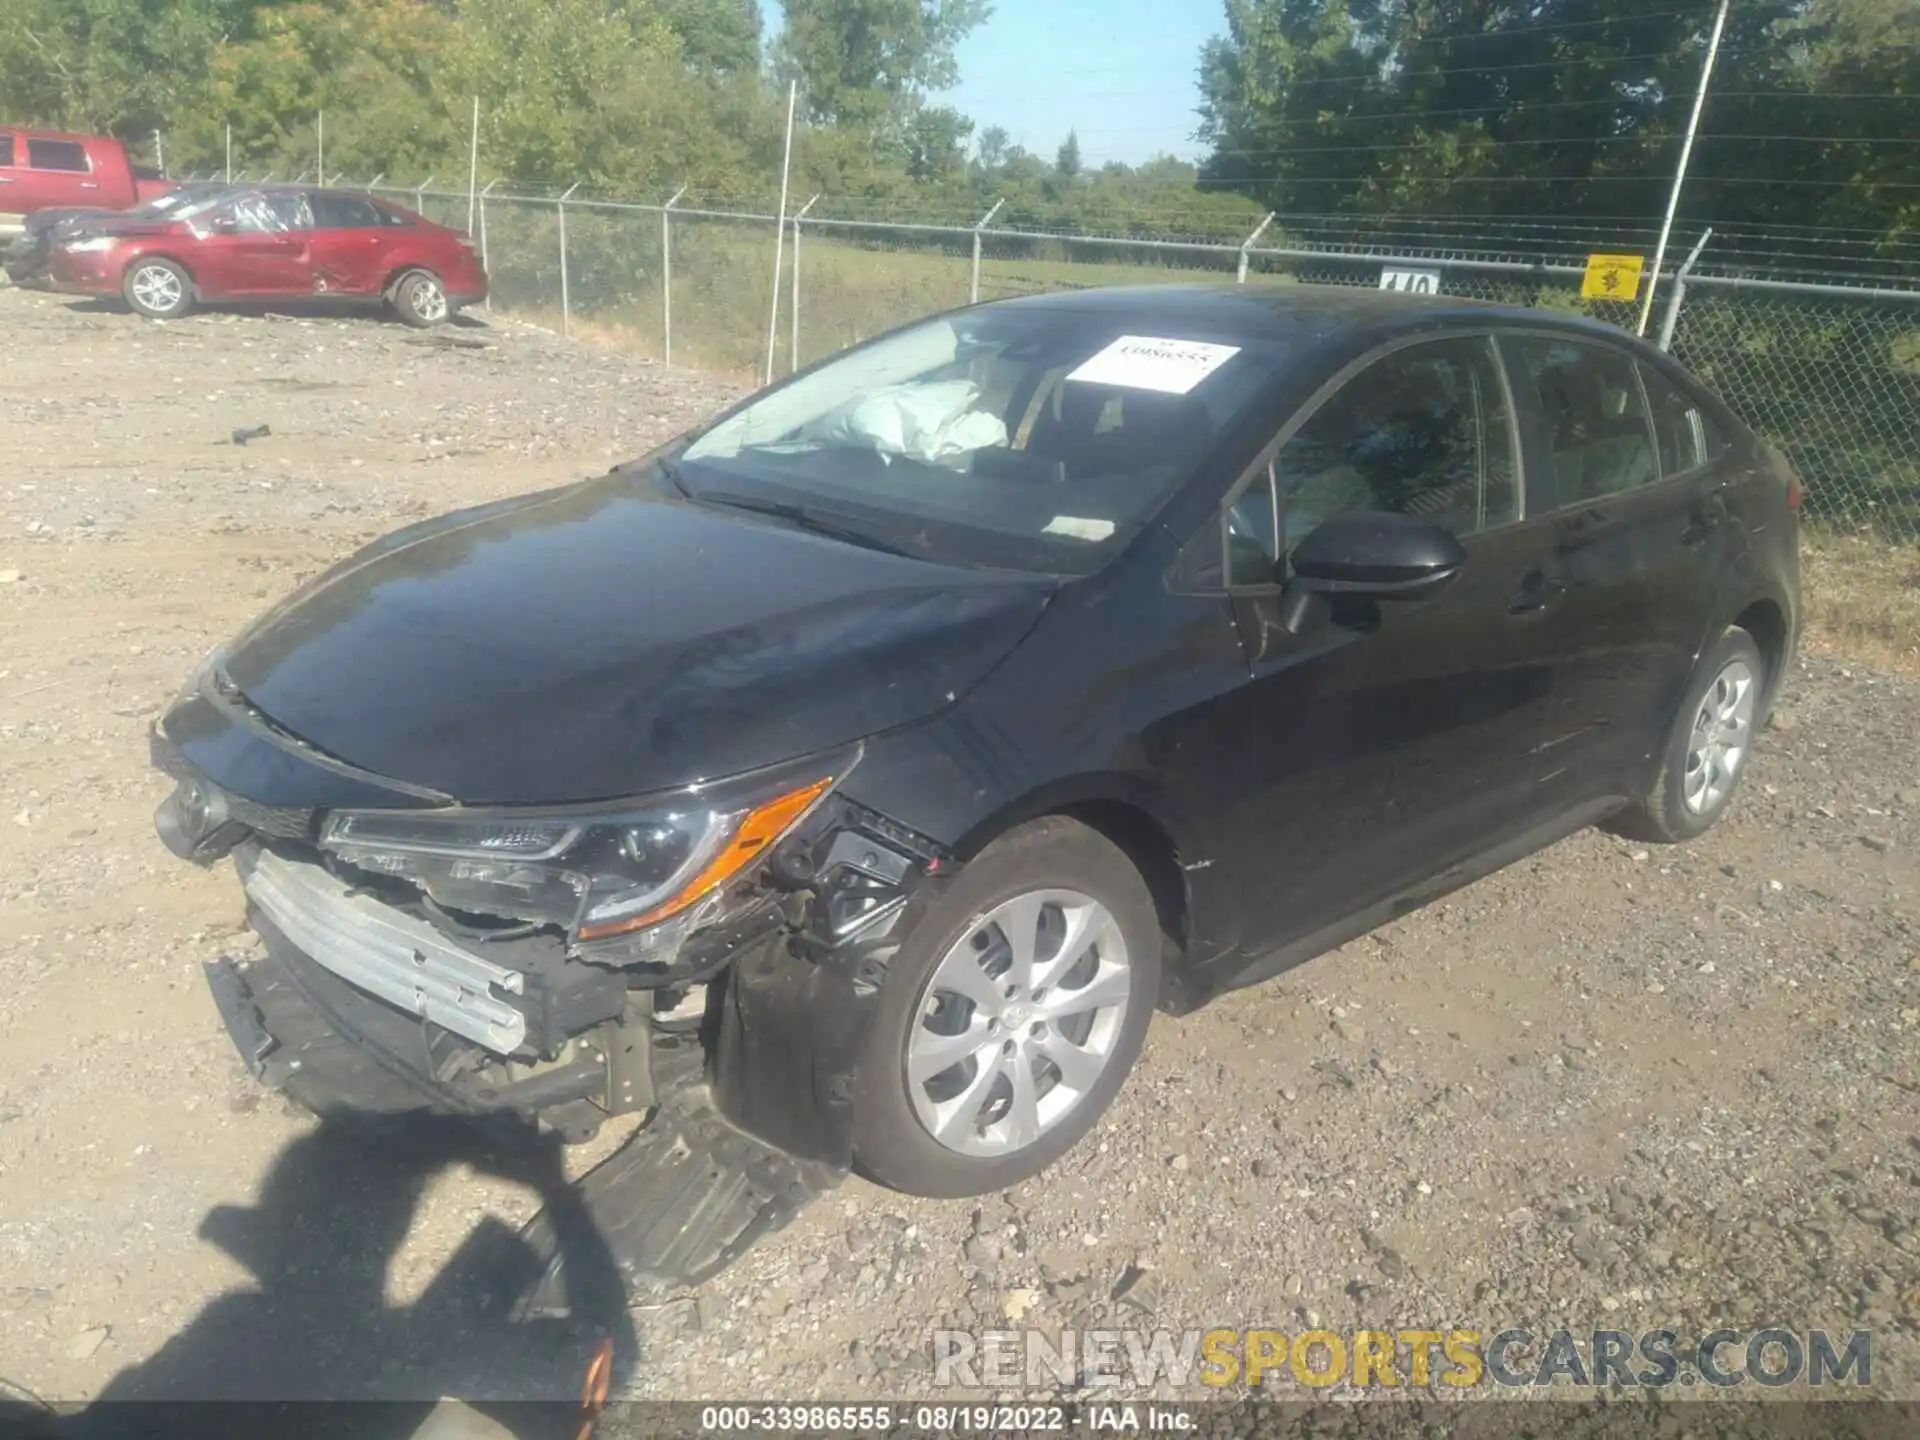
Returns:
point(1121, 72)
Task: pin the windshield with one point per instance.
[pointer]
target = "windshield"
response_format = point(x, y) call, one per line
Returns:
point(1034, 438)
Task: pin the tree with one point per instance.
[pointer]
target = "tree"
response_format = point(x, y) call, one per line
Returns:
point(994, 146)
point(862, 62)
point(1569, 108)
point(369, 64)
point(721, 36)
point(1066, 163)
point(121, 66)
point(936, 142)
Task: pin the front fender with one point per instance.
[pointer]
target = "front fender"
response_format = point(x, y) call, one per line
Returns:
point(791, 1017)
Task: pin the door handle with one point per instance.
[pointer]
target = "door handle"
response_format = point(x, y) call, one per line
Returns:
point(1535, 592)
point(89, 184)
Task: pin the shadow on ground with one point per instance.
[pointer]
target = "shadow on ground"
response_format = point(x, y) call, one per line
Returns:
point(316, 1324)
point(288, 308)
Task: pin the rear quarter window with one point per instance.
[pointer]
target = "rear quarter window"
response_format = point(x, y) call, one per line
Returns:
point(57, 155)
point(392, 217)
point(6, 149)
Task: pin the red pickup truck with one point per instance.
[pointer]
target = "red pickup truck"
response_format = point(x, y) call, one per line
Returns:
point(45, 170)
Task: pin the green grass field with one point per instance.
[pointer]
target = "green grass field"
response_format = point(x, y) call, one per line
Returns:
point(723, 279)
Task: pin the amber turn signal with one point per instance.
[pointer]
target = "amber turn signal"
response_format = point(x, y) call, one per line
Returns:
point(763, 825)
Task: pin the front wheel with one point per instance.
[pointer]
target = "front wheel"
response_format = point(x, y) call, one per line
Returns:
point(421, 300)
point(157, 289)
point(1011, 1015)
point(1708, 749)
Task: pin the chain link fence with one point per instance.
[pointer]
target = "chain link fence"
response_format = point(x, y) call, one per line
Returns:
point(1832, 379)
point(1829, 372)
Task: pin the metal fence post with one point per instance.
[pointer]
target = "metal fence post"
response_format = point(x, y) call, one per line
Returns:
point(484, 263)
point(566, 296)
point(793, 362)
point(1678, 294)
point(666, 277)
point(420, 195)
point(973, 284)
point(1240, 273)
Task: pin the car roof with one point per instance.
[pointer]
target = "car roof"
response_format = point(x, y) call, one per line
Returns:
point(35, 132)
point(1301, 314)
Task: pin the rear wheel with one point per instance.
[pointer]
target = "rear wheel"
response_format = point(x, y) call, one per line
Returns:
point(421, 300)
point(1011, 1015)
point(1708, 749)
point(157, 289)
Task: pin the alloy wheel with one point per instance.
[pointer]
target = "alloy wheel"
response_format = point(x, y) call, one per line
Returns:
point(1018, 1022)
point(157, 288)
point(1722, 738)
point(429, 301)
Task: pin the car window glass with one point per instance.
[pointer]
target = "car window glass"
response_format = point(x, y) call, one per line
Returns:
point(253, 214)
point(392, 217)
point(289, 212)
point(6, 149)
point(56, 154)
point(1679, 429)
point(1596, 423)
point(1036, 438)
point(343, 212)
point(1423, 432)
point(1253, 532)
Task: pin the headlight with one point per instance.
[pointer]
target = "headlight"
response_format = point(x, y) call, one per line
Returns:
point(597, 873)
point(92, 244)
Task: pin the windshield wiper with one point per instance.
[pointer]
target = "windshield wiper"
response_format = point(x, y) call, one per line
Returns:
point(815, 521)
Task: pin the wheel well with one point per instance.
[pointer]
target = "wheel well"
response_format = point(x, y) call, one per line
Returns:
point(400, 272)
point(1763, 620)
point(1150, 848)
point(173, 260)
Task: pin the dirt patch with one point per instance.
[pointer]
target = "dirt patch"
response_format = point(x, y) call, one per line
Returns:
point(1611, 1086)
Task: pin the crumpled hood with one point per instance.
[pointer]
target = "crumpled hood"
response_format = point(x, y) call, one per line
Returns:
point(606, 640)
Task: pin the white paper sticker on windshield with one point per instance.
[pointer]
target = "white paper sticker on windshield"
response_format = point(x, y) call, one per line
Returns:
point(1147, 362)
point(1078, 528)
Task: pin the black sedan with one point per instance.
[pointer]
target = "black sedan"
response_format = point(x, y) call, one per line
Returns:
point(886, 752)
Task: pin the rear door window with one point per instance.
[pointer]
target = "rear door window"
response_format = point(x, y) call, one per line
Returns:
point(391, 217)
point(68, 155)
point(343, 212)
point(1679, 429)
point(1598, 435)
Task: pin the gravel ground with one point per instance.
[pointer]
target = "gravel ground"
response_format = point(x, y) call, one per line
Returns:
point(1612, 1086)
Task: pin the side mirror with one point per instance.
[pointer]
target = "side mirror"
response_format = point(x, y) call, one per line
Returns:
point(1373, 555)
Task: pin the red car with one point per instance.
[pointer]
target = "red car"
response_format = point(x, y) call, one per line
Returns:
point(275, 242)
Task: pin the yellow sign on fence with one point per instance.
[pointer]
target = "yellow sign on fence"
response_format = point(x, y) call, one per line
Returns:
point(1612, 277)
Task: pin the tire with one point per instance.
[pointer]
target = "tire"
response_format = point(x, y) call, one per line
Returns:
point(420, 300)
point(1688, 796)
point(1054, 872)
point(157, 289)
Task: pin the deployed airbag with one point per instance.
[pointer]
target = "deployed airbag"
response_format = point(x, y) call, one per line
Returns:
point(930, 422)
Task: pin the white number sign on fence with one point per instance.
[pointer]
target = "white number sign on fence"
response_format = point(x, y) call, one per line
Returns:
point(1414, 282)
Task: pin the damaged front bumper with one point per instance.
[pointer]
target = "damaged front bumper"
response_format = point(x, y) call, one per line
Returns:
point(738, 1044)
point(363, 1014)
